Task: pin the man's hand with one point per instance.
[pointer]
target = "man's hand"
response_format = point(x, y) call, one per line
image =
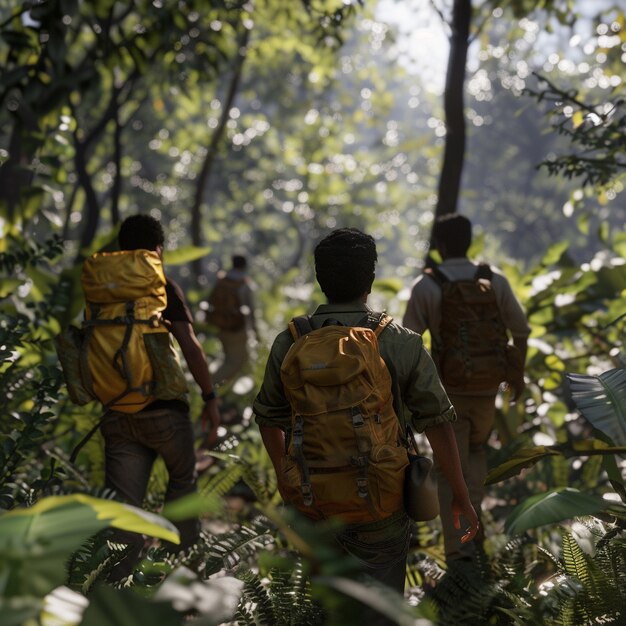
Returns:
point(210, 421)
point(516, 388)
point(465, 508)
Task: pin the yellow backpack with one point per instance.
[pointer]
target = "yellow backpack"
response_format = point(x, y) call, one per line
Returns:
point(123, 354)
point(346, 458)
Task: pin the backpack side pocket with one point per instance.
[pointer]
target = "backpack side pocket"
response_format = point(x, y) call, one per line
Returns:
point(70, 345)
point(169, 379)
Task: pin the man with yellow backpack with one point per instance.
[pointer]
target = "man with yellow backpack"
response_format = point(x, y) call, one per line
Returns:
point(123, 356)
point(339, 387)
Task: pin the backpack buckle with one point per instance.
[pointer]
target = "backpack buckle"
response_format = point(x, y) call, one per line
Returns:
point(357, 418)
point(307, 494)
point(362, 487)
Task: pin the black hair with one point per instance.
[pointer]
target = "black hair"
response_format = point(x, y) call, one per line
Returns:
point(454, 232)
point(239, 261)
point(140, 232)
point(345, 262)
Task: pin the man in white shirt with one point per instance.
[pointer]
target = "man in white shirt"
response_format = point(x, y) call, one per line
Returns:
point(475, 408)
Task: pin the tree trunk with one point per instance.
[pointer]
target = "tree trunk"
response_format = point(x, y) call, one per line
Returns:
point(212, 150)
point(16, 174)
point(454, 151)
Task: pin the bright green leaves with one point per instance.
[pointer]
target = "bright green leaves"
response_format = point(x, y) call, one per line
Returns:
point(35, 543)
point(557, 505)
point(602, 401)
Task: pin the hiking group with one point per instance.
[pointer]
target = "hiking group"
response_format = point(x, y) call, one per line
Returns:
point(343, 391)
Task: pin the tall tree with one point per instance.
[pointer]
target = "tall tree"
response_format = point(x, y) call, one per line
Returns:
point(454, 151)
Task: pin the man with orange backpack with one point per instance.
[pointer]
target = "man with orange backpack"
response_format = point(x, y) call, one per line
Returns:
point(231, 310)
point(339, 387)
point(470, 310)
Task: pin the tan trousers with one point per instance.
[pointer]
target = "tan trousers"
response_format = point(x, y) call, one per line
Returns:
point(235, 356)
point(475, 420)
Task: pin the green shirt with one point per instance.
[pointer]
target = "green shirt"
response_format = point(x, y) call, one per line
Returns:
point(417, 391)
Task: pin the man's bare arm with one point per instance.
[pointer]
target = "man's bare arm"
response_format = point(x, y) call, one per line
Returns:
point(199, 368)
point(443, 442)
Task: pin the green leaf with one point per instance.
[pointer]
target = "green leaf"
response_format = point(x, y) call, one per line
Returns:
point(9, 285)
point(185, 255)
point(554, 253)
point(389, 285)
point(191, 506)
point(122, 607)
point(36, 542)
point(20, 611)
point(522, 459)
point(557, 505)
point(602, 401)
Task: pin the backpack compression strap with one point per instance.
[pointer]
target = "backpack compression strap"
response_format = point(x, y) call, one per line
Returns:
point(300, 325)
point(376, 322)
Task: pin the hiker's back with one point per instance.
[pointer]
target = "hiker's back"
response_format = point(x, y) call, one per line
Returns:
point(225, 305)
point(346, 458)
point(123, 354)
point(472, 349)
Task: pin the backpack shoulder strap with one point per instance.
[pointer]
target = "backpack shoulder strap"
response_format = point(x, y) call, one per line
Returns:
point(437, 275)
point(376, 322)
point(300, 325)
point(483, 271)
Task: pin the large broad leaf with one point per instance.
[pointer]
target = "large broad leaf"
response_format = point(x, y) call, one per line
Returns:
point(602, 401)
point(122, 607)
point(522, 459)
point(552, 507)
point(527, 457)
point(36, 542)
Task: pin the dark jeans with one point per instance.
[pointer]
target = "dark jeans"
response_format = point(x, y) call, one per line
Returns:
point(381, 548)
point(132, 444)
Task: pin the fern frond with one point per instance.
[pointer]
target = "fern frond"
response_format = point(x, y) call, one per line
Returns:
point(463, 596)
point(609, 588)
point(222, 482)
point(257, 595)
point(575, 560)
point(225, 551)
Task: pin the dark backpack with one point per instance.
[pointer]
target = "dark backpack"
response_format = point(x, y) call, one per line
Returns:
point(346, 458)
point(474, 353)
point(225, 304)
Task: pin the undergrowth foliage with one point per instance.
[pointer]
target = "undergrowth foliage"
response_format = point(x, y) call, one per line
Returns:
point(544, 576)
point(30, 382)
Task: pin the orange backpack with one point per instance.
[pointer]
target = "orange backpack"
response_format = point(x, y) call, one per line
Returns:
point(346, 458)
point(225, 304)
